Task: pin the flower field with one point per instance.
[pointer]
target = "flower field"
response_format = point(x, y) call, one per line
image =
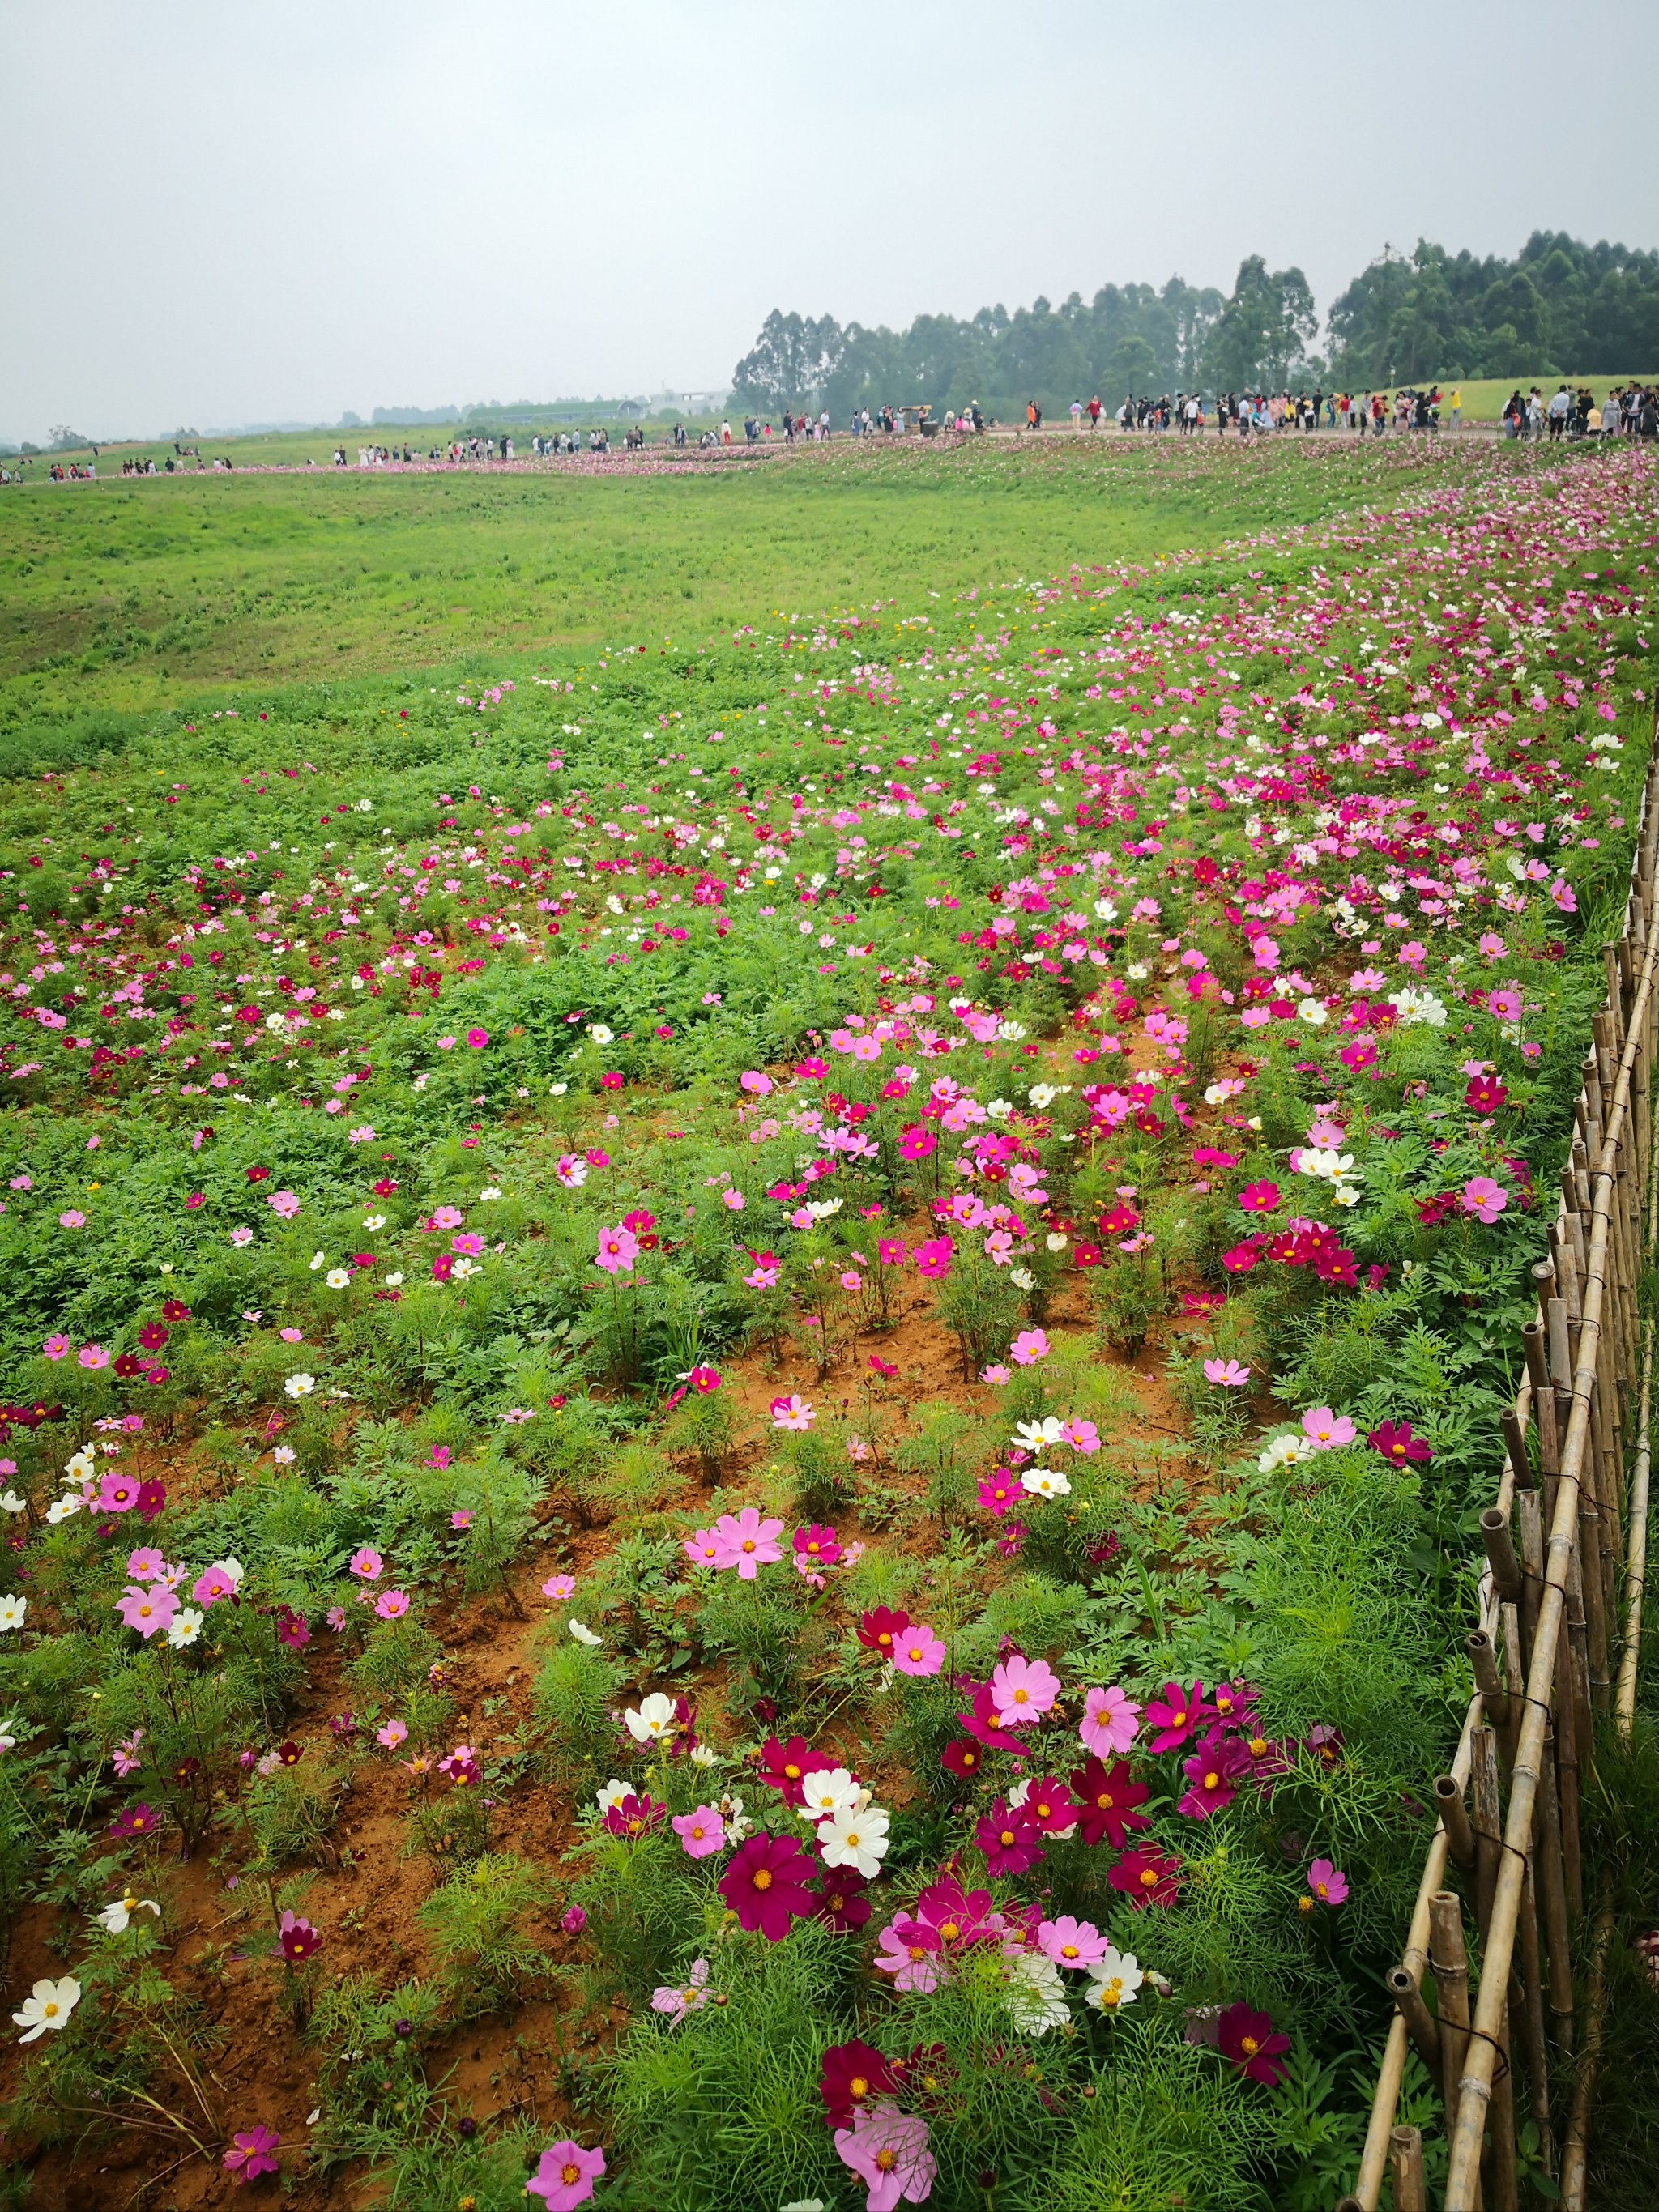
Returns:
point(747, 1384)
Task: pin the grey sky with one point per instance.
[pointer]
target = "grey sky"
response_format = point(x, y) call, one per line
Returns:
point(223, 213)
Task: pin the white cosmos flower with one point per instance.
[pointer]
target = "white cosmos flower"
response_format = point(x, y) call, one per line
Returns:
point(337, 1278)
point(1411, 1006)
point(1035, 1436)
point(653, 1723)
point(1346, 1193)
point(612, 1794)
point(374, 1221)
point(300, 1386)
point(600, 1033)
point(12, 1612)
point(81, 1466)
point(704, 1754)
point(828, 1791)
point(48, 2006)
point(1021, 1277)
point(319, 1260)
point(584, 1634)
point(116, 1915)
point(1314, 1013)
point(11, 1502)
point(1037, 1993)
point(1116, 1979)
point(61, 1507)
point(184, 1627)
point(1045, 1482)
point(1323, 1166)
point(394, 1282)
point(464, 1270)
point(490, 1190)
point(856, 1840)
point(1285, 1451)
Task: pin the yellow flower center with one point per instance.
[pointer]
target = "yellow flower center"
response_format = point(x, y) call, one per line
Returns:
point(950, 1931)
point(569, 2175)
point(1249, 2045)
point(1068, 1950)
point(763, 1878)
point(858, 2088)
point(917, 1951)
point(1110, 1993)
point(1006, 1838)
point(886, 2159)
point(1149, 1878)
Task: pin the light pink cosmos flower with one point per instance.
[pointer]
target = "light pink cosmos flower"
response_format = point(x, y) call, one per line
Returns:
point(677, 2003)
point(558, 1586)
point(914, 1965)
point(365, 1564)
point(391, 1734)
point(996, 1375)
point(1110, 1722)
point(888, 2150)
point(792, 1412)
point(212, 1584)
point(1482, 1197)
point(284, 1203)
point(1071, 1942)
point(703, 1547)
point(147, 1610)
point(56, 1347)
point(746, 1542)
point(1028, 1347)
point(73, 1219)
point(733, 1201)
point(93, 1355)
point(1227, 1372)
point(391, 1605)
point(1082, 1435)
point(918, 1650)
point(1325, 1430)
point(146, 1565)
point(702, 1832)
point(565, 2175)
point(1022, 1690)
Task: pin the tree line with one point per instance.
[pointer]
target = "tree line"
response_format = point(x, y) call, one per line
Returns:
point(1560, 307)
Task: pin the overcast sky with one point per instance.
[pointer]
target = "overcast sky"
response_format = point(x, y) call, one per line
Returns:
point(224, 213)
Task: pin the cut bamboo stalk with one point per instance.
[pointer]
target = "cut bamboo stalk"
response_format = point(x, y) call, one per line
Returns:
point(1453, 1816)
point(1485, 1818)
point(1406, 2170)
point(1448, 1963)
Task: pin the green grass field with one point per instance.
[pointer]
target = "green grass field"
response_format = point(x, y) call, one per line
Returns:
point(130, 595)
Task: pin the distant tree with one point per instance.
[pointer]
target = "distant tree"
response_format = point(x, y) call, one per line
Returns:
point(1132, 367)
point(1263, 330)
point(790, 363)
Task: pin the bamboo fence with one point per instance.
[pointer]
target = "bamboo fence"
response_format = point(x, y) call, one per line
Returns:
point(1504, 2029)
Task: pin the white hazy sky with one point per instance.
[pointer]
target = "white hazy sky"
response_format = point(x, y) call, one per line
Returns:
point(227, 213)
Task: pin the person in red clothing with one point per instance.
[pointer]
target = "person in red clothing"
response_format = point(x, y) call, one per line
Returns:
point(1094, 412)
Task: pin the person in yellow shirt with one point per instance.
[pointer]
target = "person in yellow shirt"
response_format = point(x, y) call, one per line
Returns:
point(1455, 405)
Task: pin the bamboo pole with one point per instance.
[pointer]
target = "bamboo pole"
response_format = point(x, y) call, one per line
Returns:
point(1473, 2092)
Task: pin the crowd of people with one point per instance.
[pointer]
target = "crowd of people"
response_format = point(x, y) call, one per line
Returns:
point(1628, 411)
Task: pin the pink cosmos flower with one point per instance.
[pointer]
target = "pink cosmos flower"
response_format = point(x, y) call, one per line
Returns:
point(996, 1375)
point(1082, 1435)
point(618, 1249)
point(733, 1201)
point(888, 2150)
point(746, 1541)
point(565, 2175)
point(909, 1950)
point(701, 1833)
point(477, 1039)
point(1482, 1197)
point(391, 1734)
point(918, 1651)
point(391, 1605)
point(1325, 1430)
point(212, 1584)
point(792, 1412)
point(366, 1565)
point(1022, 1690)
point(1110, 1722)
point(284, 1203)
point(1329, 1883)
point(1259, 1197)
point(55, 1347)
point(117, 1493)
point(1071, 1942)
point(558, 1587)
point(93, 1355)
point(73, 1219)
point(147, 1565)
point(1028, 1347)
point(147, 1610)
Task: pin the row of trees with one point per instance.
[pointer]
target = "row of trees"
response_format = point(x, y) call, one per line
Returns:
point(1560, 306)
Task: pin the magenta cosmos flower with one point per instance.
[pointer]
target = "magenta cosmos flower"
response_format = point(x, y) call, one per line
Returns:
point(1177, 1714)
point(1022, 1690)
point(1008, 1838)
point(1247, 2041)
point(816, 1546)
point(746, 1541)
point(1395, 1441)
point(888, 2150)
point(565, 2175)
point(765, 1885)
point(1110, 1722)
point(252, 2152)
point(1327, 1882)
